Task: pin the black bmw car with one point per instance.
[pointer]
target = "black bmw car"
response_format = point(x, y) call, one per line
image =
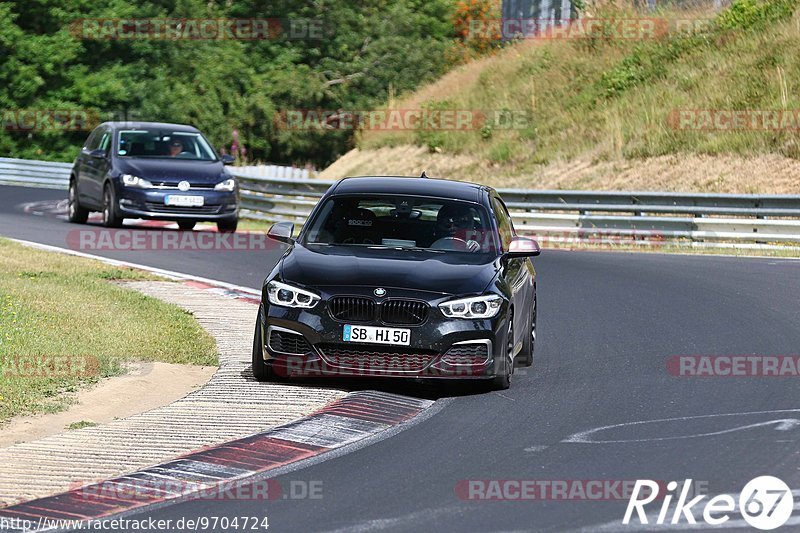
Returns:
point(402, 277)
point(152, 171)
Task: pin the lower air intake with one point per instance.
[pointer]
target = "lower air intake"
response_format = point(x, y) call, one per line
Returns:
point(377, 358)
point(467, 354)
point(289, 343)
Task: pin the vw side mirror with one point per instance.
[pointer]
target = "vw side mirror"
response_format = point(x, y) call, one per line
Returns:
point(227, 159)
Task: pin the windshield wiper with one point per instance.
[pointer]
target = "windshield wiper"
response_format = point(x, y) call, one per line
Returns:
point(378, 247)
point(409, 248)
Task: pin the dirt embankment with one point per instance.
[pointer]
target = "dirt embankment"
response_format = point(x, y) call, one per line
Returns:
point(765, 174)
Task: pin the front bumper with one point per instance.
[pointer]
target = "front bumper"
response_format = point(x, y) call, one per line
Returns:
point(440, 347)
point(150, 204)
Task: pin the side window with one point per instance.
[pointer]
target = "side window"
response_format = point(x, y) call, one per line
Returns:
point(508, 216)
point(105, 141)
point(503, 222)
point(93, 141)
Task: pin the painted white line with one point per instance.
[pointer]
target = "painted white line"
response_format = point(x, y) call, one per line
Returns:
point(785, 424)
point(157, 271)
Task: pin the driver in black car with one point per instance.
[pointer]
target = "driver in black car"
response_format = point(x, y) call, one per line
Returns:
point(455, 229)
point(175, 148)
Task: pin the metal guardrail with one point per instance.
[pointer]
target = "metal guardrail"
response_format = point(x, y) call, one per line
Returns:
point(595, 216)
point(552, 216)
point(273, 171)
point(34, 173)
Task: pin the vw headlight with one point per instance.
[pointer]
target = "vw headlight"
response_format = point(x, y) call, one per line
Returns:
point(135, 181)
point(226, 186)
point(476, 307)
point(289, 296)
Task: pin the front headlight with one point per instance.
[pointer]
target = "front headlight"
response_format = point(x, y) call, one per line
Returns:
point(476, 307)
point(289, 296)
point(135, 181)
point(226, 186)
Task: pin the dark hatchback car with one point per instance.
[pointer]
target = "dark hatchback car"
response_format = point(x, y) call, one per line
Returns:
point(401, 277)
point(152, 171)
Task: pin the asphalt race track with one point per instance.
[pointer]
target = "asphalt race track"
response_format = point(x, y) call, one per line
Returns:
point(608, 324)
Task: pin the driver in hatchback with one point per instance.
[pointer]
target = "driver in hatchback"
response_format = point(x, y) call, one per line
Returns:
point(175, 148)
point(458, 222)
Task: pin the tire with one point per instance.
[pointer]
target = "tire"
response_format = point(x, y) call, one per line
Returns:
point(529, 344)
point(111, 218)
point(76, 213)
point(503, 380)
point(262, 371)
point(228, 226)
point(187, 225)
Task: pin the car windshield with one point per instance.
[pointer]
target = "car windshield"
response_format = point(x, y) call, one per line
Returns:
point(164, 144)
point(402, 222)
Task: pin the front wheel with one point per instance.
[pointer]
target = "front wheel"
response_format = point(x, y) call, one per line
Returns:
point(111, 218)
point(503, 380)
point(529, 344)
point(77, 214)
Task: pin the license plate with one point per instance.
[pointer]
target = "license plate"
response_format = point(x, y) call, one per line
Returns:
point(184, 201)
point(377, 335)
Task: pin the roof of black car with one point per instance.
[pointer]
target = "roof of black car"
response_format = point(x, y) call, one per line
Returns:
point(152, 125)
point(437, 188)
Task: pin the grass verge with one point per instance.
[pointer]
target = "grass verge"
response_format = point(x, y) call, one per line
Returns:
point(64, 324)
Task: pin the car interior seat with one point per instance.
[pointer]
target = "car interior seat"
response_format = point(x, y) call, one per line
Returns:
point(357, 226)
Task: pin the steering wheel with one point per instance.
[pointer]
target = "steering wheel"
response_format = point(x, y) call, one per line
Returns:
point(450, 243)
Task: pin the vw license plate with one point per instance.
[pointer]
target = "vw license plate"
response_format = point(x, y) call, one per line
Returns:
point(377, 335)
point(184, 201)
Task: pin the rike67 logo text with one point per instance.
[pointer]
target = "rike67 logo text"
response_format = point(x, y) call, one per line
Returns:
point(765, 503)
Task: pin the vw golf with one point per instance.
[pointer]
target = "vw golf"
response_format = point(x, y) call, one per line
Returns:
point(400, 277)
point(152, 171)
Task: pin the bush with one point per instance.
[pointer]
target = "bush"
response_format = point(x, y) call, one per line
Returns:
point(749, 14)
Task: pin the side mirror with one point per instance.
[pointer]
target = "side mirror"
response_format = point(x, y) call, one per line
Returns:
point(98, 154)
point(523, 247)
point(227, 159)
point(282, 232)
